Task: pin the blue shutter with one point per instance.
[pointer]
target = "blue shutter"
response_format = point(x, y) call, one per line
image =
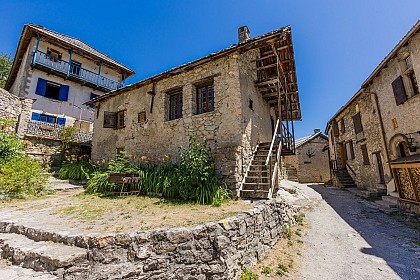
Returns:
point(35, 116)
point(41, 87)
point(61, 121)
point(63, 95)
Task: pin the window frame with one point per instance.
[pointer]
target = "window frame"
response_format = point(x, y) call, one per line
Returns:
point(208, 106)
point(365, 154)
point(140, 118)
point(121, 119)
point(176, 104)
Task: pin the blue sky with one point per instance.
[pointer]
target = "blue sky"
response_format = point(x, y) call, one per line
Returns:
point(337, 43)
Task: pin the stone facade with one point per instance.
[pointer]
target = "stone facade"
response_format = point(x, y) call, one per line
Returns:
point(384, 113)
point(231, 131)
point(16, 109)
point(311, 160)
point(215, 250)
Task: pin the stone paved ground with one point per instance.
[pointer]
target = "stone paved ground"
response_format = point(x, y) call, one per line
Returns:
point(9, 272)
point(349, 238)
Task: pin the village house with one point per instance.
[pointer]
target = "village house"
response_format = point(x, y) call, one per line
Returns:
point(374, 138)
point(60, 73)
point(310, 164)
point(241, 101)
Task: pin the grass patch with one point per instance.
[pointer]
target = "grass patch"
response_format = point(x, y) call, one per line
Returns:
point(412, 221)
point(248, 275)
point(300, 218)
point(291, 191)
point(266, 270)
point(282, 269)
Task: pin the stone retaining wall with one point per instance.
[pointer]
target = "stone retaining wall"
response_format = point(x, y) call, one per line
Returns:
point(215, 250)
point(15, 108)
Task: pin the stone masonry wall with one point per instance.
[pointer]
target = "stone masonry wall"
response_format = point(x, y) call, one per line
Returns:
point(314, 169)
point(223, 129)
point(13, 108)
point(215, 250)
point(365, 175)
point(405, 116)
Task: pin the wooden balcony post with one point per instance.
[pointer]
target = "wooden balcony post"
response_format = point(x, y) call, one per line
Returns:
point(99, 73)
point(68, 70)
point(36, 49)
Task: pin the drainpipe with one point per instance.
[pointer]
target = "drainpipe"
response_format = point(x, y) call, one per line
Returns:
point(36, 49)
point(374, 96)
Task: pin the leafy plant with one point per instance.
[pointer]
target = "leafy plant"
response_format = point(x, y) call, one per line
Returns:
point(248, 275)
point(282, 269)
point(10, 146)
point(6, 62)
point(66, 136)
point(21, 176)
point(98, 182)
point(76, 170)
point(266, 270)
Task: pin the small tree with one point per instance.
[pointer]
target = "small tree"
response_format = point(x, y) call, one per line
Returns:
point(6, 62)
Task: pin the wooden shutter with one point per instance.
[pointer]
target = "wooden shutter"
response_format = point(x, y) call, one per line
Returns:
point(365, 155)
point(41, 87)
point(342, 126)
point(335, 128)
point(399, 90)
point(61, 121)
point(110, 120)
point(357, 121)
point(349, 150)
point(63, 94)
point(36, 116)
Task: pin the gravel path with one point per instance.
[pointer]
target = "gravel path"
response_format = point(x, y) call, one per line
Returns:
point(349, 238)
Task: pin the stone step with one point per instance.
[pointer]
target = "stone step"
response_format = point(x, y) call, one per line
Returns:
point(386, 204)
point(14, 272)
point(254, 194)
point(391, 199)
point(40, 256)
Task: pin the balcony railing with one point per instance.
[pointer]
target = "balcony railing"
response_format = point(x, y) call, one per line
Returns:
point(52, 131)
point(74, 70)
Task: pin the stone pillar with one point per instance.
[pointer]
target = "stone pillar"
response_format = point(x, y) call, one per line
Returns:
point(24, 117)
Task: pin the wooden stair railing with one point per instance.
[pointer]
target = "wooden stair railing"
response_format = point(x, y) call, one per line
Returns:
point(276, 142)
point(247, 171)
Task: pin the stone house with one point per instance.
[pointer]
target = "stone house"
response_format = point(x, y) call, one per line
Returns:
point(230, 99)
point(61, 73)
point(374, 138)
point(310, 164)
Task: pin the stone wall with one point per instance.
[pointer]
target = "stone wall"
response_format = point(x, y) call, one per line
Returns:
point(230, 131)
point(215, 250)
point(314, 168)
point(14, 108)
point(399, 120)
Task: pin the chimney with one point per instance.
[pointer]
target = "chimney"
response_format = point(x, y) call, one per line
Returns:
point(243, 34)
point(317, 130)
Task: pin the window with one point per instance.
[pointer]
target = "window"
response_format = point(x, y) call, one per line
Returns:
point(75, 68)
point(52, 90)
point(335, 128)
point(405, 86)
point(142, 117)
point(349, 150)
point(92, 96)
point(175, 104)
point(357, 121)
point(205, 98)
point(48, 118)
point(110, 120)
point(365, 155)
point(53, 55)
point(121, 119)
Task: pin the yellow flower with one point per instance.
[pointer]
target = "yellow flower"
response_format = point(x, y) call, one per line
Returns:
point(143, 157)
point(230, 171)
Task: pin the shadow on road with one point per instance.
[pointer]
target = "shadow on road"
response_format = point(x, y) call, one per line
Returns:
point(389, 239)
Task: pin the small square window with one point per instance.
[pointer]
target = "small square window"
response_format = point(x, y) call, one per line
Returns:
point(205, 98)
point(142, 117)
point(175, 105)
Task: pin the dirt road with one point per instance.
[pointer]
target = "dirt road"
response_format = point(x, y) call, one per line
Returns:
point(348, 238)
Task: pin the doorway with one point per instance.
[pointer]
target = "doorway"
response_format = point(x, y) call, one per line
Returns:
point(379, 168)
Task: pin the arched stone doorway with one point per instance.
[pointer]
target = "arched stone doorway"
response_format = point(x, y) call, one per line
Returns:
point(397, 146)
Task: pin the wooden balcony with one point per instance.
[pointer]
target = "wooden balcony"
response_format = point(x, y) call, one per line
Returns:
point(52, 131)
point(74, 72)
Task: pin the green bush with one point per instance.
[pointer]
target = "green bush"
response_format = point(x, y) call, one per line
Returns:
point(21, 176)
point(10, 146)
point(76, 170)
point(194, 179)
point(248, 275)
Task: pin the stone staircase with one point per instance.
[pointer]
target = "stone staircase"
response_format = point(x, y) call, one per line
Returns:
point(344, 178)
point(291, 174)
point(389, 203)
point(257, 178)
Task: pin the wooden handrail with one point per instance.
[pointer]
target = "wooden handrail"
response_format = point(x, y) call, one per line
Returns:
point(272, 143)
point(351, 169)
